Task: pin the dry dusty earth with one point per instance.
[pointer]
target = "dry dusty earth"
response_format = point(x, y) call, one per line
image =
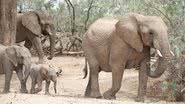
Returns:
point(71, 87)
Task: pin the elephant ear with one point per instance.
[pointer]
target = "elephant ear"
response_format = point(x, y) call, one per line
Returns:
point(12, 55)
point(44, 17)
point(128, 30)
point(31, 21)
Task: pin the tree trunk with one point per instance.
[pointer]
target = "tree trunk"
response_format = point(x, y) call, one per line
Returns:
point(8, 11)
point(73, 25)
point(69, 10)
point(7, 21)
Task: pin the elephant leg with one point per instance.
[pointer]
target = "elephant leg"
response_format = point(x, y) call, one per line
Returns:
point(28, 44)
point(22, 80)
point(88, 88)
point(37, 44)
point(92, 89)
point(95, 91)
point(117, 75)
point(39, 83)
point(26, 75)
point(142, 82)
point(8, 77)
point(117, 65)
point(47, 87)
point(33, 83)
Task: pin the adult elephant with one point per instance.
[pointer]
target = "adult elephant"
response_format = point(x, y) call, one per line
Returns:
point(114, 45)
point(15, 58)
point(31, 26)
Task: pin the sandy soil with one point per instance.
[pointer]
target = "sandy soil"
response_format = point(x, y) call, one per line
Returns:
point(71, 87)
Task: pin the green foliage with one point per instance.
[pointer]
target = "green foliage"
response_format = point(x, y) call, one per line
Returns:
point(30, 4)
point(172, 12)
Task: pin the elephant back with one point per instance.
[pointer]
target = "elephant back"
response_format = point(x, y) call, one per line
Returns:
point(101, 30)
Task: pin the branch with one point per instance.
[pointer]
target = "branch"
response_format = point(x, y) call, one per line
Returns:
point(68, 6)
point(73, 53)
point(88, 13)
point(69, 9)
point(73, 17)
point(151, 6)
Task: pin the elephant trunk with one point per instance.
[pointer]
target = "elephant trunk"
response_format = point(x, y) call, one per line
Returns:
point(162, 66)
point(165, 54)
point(26, 70)
point(52, 46)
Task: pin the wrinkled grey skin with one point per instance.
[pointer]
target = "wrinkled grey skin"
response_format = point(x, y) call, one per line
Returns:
point(112, 45)
point(14, 58)
point(31, 26)
point(41, 72)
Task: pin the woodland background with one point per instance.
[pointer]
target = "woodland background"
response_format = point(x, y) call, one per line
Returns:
point(72, 17)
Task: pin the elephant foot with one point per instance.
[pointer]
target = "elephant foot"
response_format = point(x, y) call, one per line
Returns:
point(47, 93)
point(87, 93)
point(139, 99)
point(6, 91)
point(23, 90)
point(108, 95)
point(32, 91)
point(94, 95)
point(37, 90)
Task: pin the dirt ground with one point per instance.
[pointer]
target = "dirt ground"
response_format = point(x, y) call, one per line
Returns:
point(71, 87)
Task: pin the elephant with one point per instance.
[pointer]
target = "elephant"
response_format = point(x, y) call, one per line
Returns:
point(40, 72)
point(15, 58)
point(112, 45)
point(31, 26)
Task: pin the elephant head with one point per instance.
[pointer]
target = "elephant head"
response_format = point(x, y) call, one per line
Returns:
point(146, 31)
point(20, 55)
point(39, 22)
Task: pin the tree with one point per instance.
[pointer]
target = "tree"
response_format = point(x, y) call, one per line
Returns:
point(73, 17)
point(7, 21)
point(88, 14)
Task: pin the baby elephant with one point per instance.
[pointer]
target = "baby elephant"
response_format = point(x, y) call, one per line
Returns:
point(40, 72)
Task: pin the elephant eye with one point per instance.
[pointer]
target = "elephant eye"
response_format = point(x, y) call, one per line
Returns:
point(22, 57)
point(47, 24)
point(151, 33)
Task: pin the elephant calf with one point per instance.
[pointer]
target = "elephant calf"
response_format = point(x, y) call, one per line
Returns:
point(40, 72)
point(18, 59)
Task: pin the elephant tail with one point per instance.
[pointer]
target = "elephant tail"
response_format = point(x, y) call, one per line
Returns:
point(85, 69)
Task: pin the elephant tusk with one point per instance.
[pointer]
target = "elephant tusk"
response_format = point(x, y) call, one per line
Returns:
point(182, 90)
point(159, 53)
point(172, 53)
point(50, 33)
